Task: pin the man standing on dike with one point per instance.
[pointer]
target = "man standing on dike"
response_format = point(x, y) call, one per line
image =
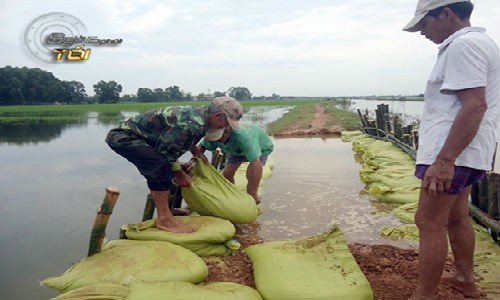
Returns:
point(153, 141)
point(456, 139)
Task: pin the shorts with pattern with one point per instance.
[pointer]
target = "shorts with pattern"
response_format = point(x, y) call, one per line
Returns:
point(463, 177)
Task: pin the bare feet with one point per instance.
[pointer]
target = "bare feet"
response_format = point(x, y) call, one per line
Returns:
point(174, 226)
point(468, 289)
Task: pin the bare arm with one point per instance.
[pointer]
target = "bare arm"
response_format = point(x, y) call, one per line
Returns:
point(438, 177)
point(254, 175)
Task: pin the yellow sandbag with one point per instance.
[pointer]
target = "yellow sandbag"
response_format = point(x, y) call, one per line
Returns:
point(406, 212)
point(347, 136)
point(211, 194)
point(96, 292)
point(240, 176)
point(408, 231)
point(487, 262)
point(124, 260)
point(208, 240)
point(189, 291)
point(320, 267)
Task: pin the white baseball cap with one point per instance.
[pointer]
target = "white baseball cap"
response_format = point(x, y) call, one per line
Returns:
point(424, 7)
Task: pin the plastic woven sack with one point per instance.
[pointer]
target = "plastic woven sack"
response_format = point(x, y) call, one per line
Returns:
point(211, 194)
point(189, 291)
point(122, 261)
point(96, 292)
point(320, 267)
point(208, 240)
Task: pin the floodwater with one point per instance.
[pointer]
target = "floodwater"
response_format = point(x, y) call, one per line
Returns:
point(316, 184)
point(53, 180)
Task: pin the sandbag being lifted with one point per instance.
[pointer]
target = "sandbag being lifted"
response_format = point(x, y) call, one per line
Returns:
point(211, 194)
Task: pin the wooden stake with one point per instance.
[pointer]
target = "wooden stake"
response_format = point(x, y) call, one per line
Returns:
point(149, 208)
point(101, 220)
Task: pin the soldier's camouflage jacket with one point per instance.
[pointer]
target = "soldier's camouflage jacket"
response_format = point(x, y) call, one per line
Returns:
point(170, 130)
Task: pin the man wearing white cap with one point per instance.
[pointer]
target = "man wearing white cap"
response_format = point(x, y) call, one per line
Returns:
point(153, 141)
point(456, 139)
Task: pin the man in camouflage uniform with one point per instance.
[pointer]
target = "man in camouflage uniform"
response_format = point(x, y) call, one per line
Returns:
point(153, 141)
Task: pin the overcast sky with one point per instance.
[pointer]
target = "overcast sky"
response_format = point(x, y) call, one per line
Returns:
point(288, 47)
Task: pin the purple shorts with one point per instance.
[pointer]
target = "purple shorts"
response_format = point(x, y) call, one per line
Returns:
point(463, 177)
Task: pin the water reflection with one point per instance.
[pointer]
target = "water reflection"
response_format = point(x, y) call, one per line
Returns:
point(109, 118)
point(409, 111)
point(35, 132)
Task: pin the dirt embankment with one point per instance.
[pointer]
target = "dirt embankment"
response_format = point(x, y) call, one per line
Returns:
point(317, 127)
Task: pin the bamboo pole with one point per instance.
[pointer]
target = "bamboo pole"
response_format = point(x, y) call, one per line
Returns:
point(101, 220)
point(149, 208)
point(485, 219)
point(494, 195)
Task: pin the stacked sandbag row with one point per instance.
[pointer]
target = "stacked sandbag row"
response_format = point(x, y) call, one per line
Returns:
point(387, 171)
point(155, 264)
point(389, 175)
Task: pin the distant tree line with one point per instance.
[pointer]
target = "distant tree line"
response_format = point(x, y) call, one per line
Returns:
point(21, 86)
point(26, 86)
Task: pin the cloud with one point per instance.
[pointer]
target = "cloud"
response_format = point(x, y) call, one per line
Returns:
point(314, 47)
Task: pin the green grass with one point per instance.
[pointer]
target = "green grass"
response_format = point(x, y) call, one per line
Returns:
point(301, 117)
point(50, 113)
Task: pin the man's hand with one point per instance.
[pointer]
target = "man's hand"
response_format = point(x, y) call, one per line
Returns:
point(182, 179)
point(437, 178)
point(198, 151)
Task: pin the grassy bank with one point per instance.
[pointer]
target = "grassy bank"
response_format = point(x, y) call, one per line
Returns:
point(301, 117)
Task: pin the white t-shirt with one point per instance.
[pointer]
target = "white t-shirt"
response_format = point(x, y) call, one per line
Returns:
point(466, 59)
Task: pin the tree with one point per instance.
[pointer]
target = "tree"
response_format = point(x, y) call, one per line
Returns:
point(160, 94)
point(146, 95)
point(219, 94)
point(19, 86)
point(75, 91)
point(173, 93)
point(107, 92)
point(240, 93)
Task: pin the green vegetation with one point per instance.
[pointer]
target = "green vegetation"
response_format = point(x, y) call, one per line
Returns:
point(301, 117)
point(347, 119)
point(109, 111)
